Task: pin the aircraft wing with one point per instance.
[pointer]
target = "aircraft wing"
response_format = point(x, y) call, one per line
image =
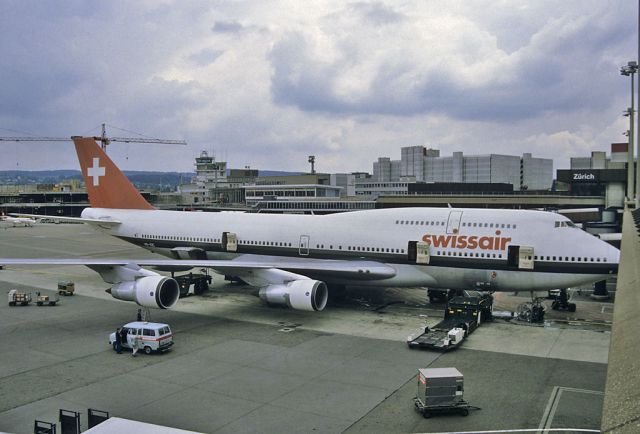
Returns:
point(99, 222)
point(316, 268)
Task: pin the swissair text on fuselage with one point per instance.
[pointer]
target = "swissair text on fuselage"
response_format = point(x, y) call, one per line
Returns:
point(472, 242)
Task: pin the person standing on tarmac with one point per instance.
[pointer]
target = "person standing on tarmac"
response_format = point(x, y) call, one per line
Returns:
point(135, 344)
point(118, 341)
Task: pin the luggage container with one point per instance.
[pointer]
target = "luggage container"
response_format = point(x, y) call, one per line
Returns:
point(440, 390)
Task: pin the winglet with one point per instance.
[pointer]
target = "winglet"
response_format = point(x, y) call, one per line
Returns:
point(106, 184)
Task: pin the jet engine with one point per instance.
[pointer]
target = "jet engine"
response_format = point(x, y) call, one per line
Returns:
point(151, 291)
point(304, 294)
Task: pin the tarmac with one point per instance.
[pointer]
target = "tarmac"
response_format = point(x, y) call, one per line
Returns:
point(240, 366)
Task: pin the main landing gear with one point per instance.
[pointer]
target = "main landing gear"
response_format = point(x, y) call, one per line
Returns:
point(561, 302)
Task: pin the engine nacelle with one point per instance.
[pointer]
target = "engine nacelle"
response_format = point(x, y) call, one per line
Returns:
point(303, 294)
point(151, 291)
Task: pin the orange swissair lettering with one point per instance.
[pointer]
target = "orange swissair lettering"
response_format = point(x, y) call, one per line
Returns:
point(472, 242)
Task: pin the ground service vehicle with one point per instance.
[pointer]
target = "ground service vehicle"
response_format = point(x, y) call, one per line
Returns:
point(153, 336)
point(66, 287)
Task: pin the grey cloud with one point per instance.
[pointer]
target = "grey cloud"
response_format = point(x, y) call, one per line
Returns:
point(550, 74)
point(206, 56)
point(227, 27)
point(376, 13)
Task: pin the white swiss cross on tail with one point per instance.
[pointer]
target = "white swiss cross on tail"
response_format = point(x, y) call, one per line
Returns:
point(96, 171)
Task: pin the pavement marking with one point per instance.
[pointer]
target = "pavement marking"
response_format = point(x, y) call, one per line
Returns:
point(552, 406)
point(606, 308)
point(573, 430)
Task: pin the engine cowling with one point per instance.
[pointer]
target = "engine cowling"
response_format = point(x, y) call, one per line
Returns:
point(151, 291)
point(307, 294)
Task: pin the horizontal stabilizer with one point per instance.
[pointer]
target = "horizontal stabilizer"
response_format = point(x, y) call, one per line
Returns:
point(100, 222)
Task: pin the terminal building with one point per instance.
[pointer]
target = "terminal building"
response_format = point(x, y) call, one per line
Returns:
point(419, 164)
point(598, 175)
point(423, 170)
point(307, 193)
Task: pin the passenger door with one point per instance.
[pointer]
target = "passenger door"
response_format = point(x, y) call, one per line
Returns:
point(229, 242)
point(418, 252)
point(520, 257)
point(125, 341)
point(453, 224)
point(303, 250)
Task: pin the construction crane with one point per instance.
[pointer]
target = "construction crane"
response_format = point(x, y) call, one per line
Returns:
point(103, 139)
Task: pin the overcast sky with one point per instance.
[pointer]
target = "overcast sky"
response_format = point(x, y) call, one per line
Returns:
point(267, 83)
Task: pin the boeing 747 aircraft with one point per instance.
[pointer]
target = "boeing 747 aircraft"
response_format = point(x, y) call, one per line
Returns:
point(292, 258)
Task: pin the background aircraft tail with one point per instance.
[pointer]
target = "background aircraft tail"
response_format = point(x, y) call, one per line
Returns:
point(106, 184)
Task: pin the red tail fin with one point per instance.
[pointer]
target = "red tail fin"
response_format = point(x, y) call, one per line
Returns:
point(106, 184)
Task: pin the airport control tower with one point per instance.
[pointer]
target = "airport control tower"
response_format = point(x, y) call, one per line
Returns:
point(209, 171)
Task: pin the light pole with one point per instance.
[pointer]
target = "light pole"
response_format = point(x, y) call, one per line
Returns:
point(629, 70)
point(630, 157)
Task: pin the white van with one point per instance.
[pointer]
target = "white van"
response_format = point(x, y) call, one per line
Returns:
point(154, 336)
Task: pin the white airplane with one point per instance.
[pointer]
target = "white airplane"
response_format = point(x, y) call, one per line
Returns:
point(8, 221)
point(292, 258)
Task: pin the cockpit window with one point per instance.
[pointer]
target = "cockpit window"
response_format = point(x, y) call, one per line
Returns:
point(565, 224)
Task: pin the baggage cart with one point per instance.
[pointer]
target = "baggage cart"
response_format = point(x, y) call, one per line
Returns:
point(18, 298)
point(45, 300)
